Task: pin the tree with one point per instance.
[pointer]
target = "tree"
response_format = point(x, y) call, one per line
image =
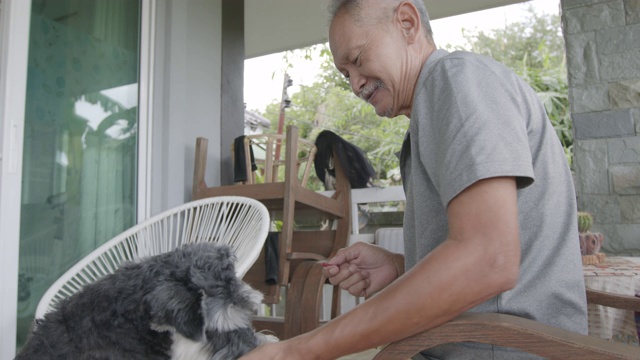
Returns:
point(533, 48)
point(329, 104)
point(536, 40)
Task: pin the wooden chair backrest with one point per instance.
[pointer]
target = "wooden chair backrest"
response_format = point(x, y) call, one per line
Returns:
point(514, 332)
point(272, 166)
point(523, 334)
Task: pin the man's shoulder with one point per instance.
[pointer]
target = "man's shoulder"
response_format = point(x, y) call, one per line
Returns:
point(453, 68)
point(464, 59)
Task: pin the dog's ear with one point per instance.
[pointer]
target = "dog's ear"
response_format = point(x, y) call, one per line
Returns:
point(212, 267)
point(227, 303)
point(230, 311)
point(177, 302)
point(173, 305)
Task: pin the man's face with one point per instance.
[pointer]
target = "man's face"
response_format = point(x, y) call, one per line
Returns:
point(371, 57)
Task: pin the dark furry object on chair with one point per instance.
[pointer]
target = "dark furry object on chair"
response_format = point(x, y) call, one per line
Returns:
point(353, 160)
point(185, 304)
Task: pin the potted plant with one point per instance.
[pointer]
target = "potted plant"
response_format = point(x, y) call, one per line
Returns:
point(590, 242)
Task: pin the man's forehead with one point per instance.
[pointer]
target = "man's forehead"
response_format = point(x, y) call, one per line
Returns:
point(341, 20)
point(339, 34)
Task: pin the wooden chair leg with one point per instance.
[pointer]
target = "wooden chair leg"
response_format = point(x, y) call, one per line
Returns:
point(312, 298)
point(292, 312)
point(199, 168)
point(336, 302)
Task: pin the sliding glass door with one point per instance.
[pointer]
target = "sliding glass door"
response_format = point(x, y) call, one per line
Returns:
point(79, 175)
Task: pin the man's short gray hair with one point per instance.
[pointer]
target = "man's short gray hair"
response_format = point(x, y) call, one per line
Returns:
point(354, 7)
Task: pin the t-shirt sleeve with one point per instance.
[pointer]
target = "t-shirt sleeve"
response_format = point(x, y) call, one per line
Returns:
point(477, 128)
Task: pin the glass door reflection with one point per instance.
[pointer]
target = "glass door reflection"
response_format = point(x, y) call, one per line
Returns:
point(80, 142)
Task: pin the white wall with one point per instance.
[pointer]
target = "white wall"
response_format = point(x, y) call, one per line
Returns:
point(186, 97)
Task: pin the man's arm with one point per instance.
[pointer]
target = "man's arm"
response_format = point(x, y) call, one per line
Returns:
point(479, 260)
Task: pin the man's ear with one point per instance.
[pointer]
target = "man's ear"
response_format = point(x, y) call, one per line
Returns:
point(408, 19)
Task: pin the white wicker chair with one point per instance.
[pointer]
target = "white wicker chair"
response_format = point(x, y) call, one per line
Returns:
point(239, 222)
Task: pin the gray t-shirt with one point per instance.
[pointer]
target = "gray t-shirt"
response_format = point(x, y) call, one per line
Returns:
point(473, 119)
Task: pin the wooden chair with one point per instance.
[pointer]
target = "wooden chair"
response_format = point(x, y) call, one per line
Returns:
point(273, 161)
point(299, 251)
point(522, 334)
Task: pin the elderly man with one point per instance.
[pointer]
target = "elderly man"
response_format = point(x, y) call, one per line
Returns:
point(490, 220)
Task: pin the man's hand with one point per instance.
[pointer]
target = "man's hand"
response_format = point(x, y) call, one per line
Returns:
point(272, 351)
point(363, 269)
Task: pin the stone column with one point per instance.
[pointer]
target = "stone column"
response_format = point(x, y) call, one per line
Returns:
point(603, 62)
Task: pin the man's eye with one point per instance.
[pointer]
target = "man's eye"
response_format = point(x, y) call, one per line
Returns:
point(346, 76)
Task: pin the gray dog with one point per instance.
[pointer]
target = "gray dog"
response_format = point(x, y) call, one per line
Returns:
point(185, 304)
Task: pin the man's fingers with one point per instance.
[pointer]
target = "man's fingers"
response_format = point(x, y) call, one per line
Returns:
point(357, 281)
point(360, 288)
point(338, 274)
point(342, 256)
point(330, 270)
point(345, 255)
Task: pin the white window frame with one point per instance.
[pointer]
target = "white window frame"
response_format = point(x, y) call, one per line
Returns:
point(14, 39)
point(145, 106)
point(15, 16)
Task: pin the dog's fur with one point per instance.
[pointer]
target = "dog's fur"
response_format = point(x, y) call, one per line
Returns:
point(185, 304)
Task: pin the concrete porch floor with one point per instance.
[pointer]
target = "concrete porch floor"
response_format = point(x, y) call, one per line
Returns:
point(365, 355)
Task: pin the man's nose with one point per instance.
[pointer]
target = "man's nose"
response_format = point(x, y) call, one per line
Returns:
point(357, 83)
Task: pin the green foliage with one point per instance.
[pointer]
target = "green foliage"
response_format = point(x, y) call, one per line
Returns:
point(537, 40)
point(552, 89)
point(330, 76)
point(340, 111)
point(533, 48)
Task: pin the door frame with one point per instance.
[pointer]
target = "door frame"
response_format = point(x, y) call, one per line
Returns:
point(15, 16)
point(148, 15)
point(14, 39)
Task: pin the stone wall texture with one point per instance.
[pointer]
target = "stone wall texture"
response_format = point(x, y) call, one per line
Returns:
point(602, 40)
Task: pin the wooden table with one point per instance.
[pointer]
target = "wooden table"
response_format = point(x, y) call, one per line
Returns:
point(620, 275)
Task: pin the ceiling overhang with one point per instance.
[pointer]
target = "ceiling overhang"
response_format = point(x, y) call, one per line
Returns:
point(273, 26)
